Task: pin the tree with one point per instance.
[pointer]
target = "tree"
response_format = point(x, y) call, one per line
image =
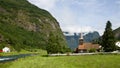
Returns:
point(108, 39)
point(54, 44)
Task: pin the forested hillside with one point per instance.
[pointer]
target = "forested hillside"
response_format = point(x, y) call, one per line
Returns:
point(25, 26)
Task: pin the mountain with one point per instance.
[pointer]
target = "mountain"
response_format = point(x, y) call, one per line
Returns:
point(73, 38)
point(25, 26)
point(117, 33)
point(91, 36)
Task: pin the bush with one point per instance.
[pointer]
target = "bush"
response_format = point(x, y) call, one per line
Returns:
point(92, 50)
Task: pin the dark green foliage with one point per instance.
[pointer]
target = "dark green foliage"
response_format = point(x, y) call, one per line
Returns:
point(25, 26)
point(21, 38)
point(2, 45)
point(54, 44)
point(92, 50)
point(96, 41)
point(108, 40)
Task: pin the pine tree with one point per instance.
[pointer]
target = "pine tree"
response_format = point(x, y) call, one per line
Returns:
point(108, 40)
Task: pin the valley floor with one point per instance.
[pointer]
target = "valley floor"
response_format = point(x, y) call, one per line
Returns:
point(86, 61)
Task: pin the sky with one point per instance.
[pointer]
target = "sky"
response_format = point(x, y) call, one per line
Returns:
point(82, 15)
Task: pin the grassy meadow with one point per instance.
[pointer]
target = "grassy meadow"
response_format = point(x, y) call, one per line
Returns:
point(87, 61)
point(35, 51)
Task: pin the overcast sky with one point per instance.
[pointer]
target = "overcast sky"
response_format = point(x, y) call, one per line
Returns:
point(82, 15)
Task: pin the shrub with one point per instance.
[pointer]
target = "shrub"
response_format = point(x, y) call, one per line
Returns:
point(92, 50)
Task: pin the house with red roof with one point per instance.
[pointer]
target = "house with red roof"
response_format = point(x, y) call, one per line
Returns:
point(85, 47)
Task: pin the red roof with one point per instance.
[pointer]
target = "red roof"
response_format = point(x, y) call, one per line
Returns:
point(88, 46)
point(1, 50)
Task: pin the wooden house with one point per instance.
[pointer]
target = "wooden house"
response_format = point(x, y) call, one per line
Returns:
point(85, 47)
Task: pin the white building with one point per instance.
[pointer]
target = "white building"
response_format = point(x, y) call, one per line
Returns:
point(118, 43)
point(6, 49)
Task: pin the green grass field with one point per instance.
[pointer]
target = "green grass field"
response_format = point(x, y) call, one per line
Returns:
point(38, 51)
point(88, 61)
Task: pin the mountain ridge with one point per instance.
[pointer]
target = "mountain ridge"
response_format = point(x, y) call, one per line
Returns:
point(25, 26)
point(117, 33)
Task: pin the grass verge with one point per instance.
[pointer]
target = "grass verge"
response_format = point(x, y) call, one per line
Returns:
point(87, 61)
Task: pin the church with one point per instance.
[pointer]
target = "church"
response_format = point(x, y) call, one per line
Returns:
point(85, 47)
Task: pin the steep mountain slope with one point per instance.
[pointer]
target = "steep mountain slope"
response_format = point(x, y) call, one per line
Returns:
point(25, 26)
point(117, 33)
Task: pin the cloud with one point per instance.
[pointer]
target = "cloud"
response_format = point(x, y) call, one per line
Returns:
point(78, 29)
point(118, 2)
point(69, 18)
point(46, 4)
point(82, 15)
point(90, 5)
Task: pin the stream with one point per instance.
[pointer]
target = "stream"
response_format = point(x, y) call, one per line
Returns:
point(13, 57)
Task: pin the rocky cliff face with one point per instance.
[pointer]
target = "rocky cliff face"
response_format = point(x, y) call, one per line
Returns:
point(24, 25)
